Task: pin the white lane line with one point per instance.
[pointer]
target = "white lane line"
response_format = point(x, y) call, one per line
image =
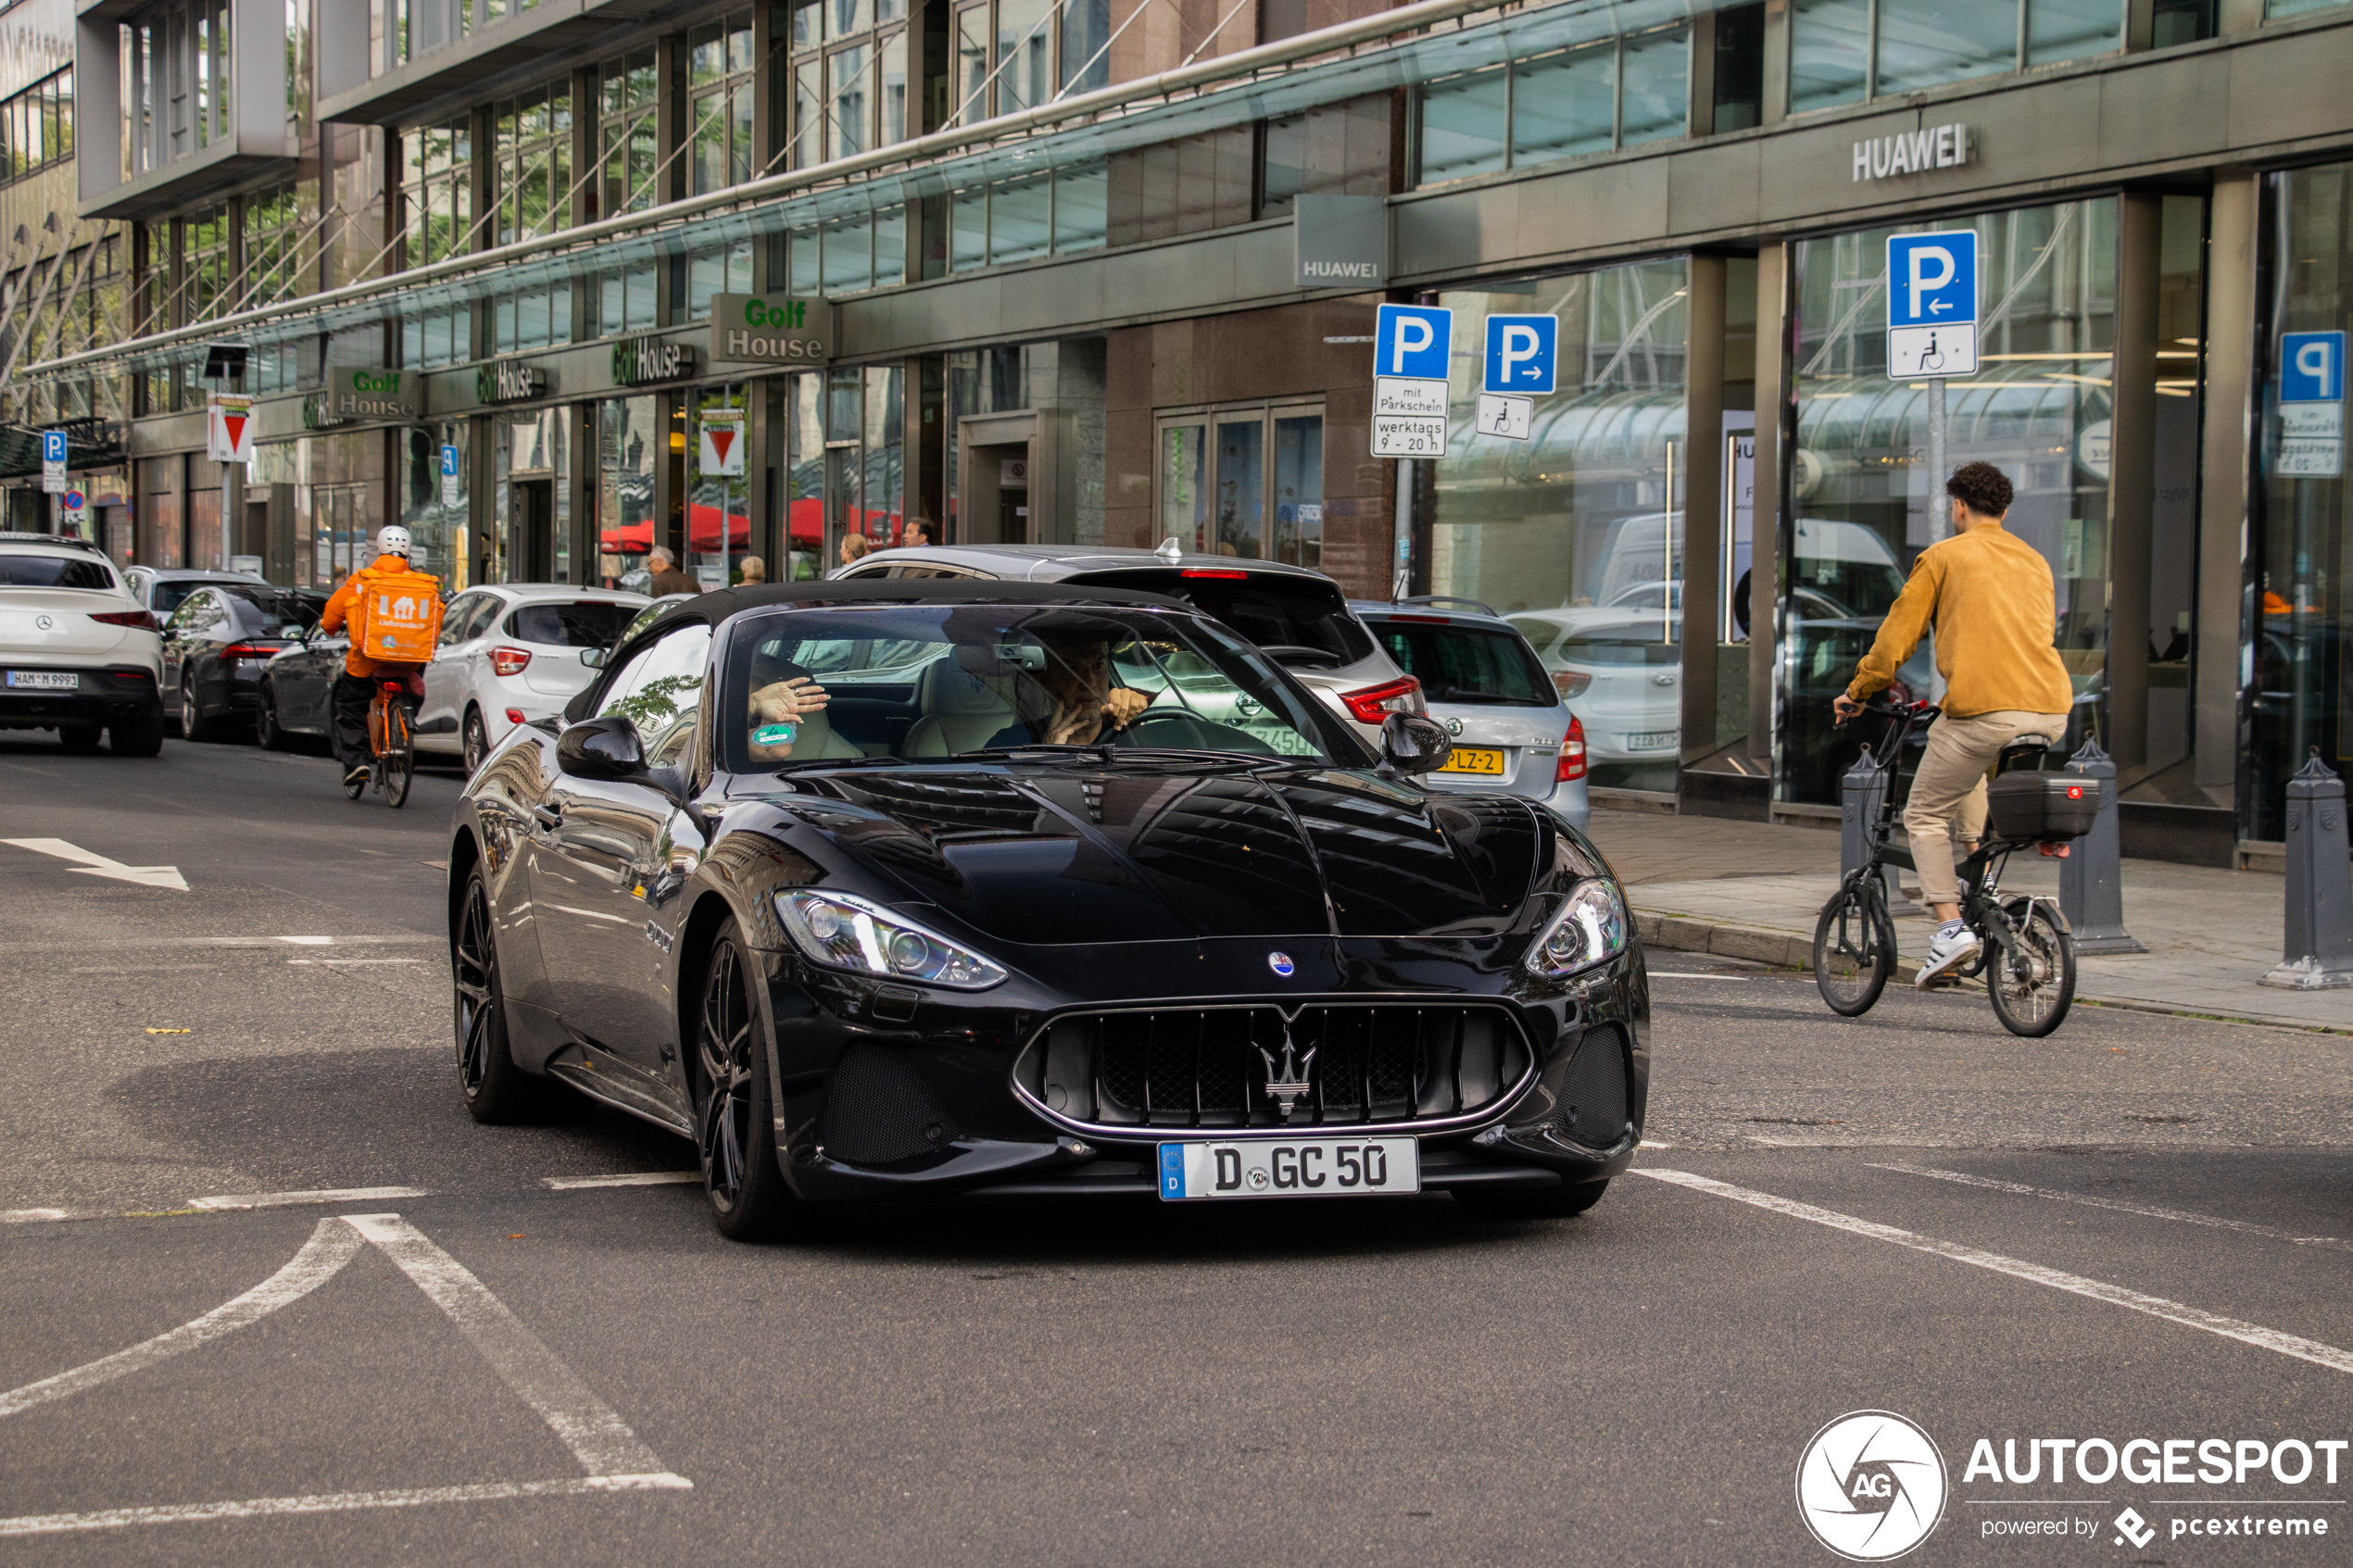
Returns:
point(350, 963)
point(2114, 1294)
point(633, 1179)
point(1695, 974)
point(297, 1200)
point(90, 864)
point(337, 1502)
point(590, 1428)
point(2149, 1211)
point(308, 941)
point(29, 1216)
point(329, 1247)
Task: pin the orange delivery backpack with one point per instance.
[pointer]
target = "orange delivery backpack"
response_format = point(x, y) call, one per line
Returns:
point(399, 615)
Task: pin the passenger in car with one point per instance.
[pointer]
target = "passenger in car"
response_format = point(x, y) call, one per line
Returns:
point(785, 698)
point(1073, 696)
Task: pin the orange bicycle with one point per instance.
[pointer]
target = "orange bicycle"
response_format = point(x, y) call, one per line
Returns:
point(392, 755)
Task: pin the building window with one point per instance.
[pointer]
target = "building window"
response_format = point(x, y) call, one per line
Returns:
point(533, 170)
point(1341, 149)
point(281, 245)
point(413, 29)
point(441, 337)
point(849, 92)
point(718, 65)
point(436, 192)
point(1247, 482)
point(628, 135)
point(1062, 213)
point(36, 126)
point(204, 250)
point(175, 68)
point(1926, 44)
point(535, 319)
point(1740, 68)
point(1015, 54)
point(1570, 103)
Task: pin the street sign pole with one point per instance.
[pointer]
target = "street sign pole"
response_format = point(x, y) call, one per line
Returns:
point(1940, 516)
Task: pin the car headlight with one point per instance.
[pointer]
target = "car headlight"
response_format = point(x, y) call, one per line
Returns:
point(841, 932)
point(1590, 929)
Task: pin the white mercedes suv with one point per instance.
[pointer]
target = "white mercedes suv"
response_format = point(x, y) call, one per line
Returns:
point(78, 654)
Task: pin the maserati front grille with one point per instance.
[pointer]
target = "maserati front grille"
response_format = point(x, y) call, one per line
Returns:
point(1269, 1070)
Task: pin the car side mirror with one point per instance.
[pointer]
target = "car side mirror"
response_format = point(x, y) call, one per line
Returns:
point(593, 658)
point(605, 748)
point(1412, 743)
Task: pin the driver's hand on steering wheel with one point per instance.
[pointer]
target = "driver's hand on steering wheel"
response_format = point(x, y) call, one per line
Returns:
point(1122, 705)
point(1846, 708)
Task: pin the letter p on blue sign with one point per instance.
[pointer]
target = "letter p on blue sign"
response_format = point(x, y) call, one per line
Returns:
point(1520, 353)
point(1415, 341)
point(2311, 367)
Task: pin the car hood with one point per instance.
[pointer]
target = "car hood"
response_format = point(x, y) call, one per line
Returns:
point(1073, 855)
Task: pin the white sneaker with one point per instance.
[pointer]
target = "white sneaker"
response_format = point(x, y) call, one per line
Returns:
point(1951, 945)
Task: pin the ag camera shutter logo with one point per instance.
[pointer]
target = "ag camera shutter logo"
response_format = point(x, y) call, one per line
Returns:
point(1870, 1485)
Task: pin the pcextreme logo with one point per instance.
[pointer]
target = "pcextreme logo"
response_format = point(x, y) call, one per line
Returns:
point(1870, 1485)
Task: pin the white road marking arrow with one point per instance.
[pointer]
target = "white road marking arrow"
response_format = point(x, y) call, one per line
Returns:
point(98, 865)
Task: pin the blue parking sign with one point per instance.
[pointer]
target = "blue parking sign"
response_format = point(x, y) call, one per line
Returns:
point(1932, 278)
point(1520, 353)
point(2313, 366)
point(1413, 340)
point(52, 447)
point(449, 462)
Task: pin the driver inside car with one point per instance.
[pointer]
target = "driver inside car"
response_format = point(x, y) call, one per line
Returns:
point(1072, 700)
point(782, 694)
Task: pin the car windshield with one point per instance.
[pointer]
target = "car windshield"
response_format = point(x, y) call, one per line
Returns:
point(275, 613)
point(1272, 610)
point(1466, 664)
point(934, 683)
point(55, 571)
point(582, 623)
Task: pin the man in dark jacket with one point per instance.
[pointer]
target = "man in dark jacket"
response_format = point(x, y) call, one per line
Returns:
point(668, 579)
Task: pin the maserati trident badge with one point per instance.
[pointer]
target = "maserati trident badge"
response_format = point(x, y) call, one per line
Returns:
point(1280, 963)
point(1287, 1084)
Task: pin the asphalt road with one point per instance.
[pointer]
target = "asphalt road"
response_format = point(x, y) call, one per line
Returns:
point(2141, 1229)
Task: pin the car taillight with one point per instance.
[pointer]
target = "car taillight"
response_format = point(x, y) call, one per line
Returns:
point(1572, 762)
point(1571, 683)
point(509, 662)
point(137, 619)
point(1374, 704)
point(1208, 571)
point(249, 650)
point(514, 716)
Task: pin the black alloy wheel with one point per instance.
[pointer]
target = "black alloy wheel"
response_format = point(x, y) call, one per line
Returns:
point(1854, 948)
point(496, 1090)
point(266, 732)
point(81, 737)
point(194, 725)
point(737, 1127)
point(476, 745)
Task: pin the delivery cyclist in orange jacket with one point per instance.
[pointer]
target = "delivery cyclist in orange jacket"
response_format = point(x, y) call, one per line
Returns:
point(356, 687)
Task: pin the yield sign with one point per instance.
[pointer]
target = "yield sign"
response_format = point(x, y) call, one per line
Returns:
point(98, 865)
point(722, 441)
point(229, 428)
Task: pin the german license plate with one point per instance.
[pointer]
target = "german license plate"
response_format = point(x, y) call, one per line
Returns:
point(44, 681)
point(1475, 759)
point(1290, 1168)
point(1652, 740)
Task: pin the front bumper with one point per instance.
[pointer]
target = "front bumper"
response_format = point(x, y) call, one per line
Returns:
point(918, 1085)
point(111, 694)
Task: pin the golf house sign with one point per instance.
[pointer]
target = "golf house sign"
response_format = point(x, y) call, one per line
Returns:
point(769, 329)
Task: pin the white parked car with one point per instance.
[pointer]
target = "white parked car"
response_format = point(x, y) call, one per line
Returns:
point(78, 654)
point(510, 654)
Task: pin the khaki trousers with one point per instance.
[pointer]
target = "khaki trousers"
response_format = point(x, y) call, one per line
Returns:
point(1950, 789)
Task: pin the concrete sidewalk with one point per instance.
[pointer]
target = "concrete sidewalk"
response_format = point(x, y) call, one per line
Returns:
point(1753, 889)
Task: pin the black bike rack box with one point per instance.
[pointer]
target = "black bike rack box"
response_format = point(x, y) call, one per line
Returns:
point(2041, 807)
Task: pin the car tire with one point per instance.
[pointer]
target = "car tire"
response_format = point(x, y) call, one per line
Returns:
point(81, 737)
point(267, 733)
point(1563, 1203)
point(735, 1127)
point(137, 737)
point(194, 725)
point(475, 746)
point(496, 1091)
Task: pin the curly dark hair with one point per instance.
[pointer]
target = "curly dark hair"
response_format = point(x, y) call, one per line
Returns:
point(1983, 488)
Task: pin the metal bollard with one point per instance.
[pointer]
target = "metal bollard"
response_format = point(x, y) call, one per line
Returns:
point(2320, 885)
point(1860, 790)
point(2091, 878)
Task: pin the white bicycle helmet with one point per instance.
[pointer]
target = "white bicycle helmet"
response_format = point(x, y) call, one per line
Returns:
point(393, 541)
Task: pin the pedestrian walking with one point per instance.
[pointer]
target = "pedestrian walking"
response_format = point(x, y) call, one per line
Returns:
point(918, 534)
point(668, 579)
point(1991, 600)
point(853, 548)
point(754, 570)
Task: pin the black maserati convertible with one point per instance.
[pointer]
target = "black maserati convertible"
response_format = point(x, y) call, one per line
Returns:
point(910, 890)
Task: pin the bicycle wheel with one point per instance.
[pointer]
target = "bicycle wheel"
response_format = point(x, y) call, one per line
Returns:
point(2033, 989)
point(400, 760)
point(1854, 948)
